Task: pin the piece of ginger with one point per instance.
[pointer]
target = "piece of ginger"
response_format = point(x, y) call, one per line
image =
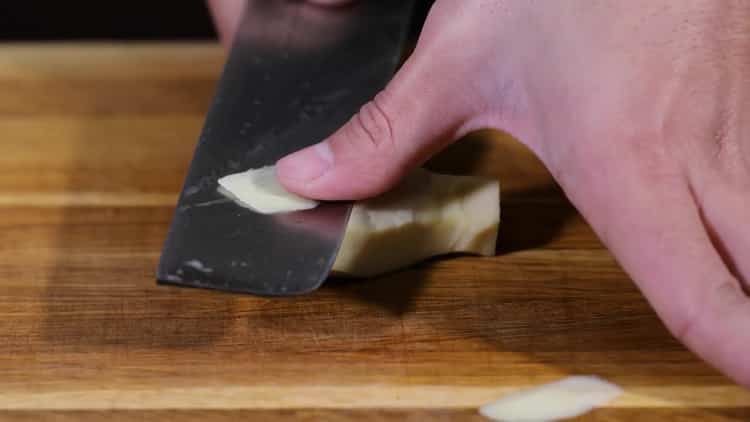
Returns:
point(260, 190)
point(563, 399)
point(425, 216)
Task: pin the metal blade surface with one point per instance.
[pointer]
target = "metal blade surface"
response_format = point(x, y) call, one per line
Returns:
point(295, 74)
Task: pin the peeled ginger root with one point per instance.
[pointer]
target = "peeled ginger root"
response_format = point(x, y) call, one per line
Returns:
point(425, 216)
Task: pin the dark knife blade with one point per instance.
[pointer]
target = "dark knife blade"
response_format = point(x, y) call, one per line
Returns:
point(296, 73)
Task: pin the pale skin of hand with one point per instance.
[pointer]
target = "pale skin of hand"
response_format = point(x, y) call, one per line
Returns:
point(640, 111)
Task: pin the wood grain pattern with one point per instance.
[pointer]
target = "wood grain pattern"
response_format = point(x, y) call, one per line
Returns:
point(96, 140)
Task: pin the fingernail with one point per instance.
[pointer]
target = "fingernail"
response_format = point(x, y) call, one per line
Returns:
point(307, 164)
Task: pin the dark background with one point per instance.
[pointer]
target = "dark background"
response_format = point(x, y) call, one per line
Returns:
point(37, 20)
point(33, 20)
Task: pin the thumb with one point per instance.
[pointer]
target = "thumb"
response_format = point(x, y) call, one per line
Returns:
point(415, 116)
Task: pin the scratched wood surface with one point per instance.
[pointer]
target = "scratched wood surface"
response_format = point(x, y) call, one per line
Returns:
point(95, 143)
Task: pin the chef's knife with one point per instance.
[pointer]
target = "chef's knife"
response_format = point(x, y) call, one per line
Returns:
point(296, 73)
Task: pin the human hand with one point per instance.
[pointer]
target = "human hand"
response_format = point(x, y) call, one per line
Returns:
point(635, 107)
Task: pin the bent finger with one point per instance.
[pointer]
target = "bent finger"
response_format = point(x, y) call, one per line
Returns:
point(656, 232)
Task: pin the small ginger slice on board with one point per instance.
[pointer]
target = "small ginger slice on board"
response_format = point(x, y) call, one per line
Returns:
point(564, 399)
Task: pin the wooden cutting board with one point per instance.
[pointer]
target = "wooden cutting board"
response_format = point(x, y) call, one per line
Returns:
point(95, 143)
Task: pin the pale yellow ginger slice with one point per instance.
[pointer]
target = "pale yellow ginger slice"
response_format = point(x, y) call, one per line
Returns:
point(260, 190)
point(564, 399)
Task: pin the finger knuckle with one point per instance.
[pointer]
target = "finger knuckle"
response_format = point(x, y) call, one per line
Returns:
point(375, 126)
point(685, 329)
point(725, 296)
